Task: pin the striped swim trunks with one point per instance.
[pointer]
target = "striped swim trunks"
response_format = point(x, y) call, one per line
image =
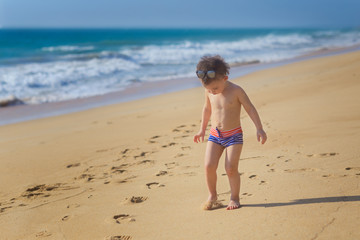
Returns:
point(226, 138)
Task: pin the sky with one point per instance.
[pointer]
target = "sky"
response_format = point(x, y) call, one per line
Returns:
point(179, 13)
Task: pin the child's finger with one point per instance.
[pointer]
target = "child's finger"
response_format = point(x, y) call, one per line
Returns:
point(265, 139)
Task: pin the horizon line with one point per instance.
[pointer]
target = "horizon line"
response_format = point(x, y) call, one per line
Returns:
point(175, 27)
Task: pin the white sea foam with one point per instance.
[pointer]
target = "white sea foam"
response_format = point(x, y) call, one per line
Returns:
point(189, 52)
point(67, 48)
point(54, 81)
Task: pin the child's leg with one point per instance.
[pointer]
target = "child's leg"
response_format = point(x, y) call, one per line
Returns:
point(232, 158)
point(212, 157)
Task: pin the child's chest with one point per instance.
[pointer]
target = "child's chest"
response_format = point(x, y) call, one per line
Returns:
point(225, 102)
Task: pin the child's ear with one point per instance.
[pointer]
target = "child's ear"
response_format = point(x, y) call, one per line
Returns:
point(226, 77)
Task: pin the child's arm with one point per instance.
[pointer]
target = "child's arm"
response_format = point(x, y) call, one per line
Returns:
point(251, 110)
point(206, 113)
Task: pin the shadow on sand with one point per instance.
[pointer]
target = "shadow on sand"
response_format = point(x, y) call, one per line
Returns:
point(307, 201)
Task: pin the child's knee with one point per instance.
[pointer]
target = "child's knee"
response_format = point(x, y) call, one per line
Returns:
point(231, 170)
point(210, 167)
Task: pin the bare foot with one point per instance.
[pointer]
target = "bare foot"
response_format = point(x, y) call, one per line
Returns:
point(233, 205)
point(212, 204)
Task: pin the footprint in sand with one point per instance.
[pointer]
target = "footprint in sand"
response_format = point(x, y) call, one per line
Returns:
point(300, 170)
point(154, 184)
point(146, 162)
point(4, 208)
point(162, 173)
point(43, 234)
point(102, 150)
point(262, 183)
point(117, 170)
point(328, 175)
point(122, 218)
point(85, 176)
point(183, 136)
point(152, 139)
point(65, 218)
point(124, 165)
point(247, 194)
point(352, 168)
point(253, 177)
point(121, 237)
point(73, 165)
point(186, 148)
point(43, 190)
point(134, 199)
point(171, 165)
point(323, 154)
point(74, 205)
point(179, 155)
point(169, 145)
point(143, 154)
point(125, 151)
point(180, 128)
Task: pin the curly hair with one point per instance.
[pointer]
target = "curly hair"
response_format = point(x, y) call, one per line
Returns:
point(215, 63)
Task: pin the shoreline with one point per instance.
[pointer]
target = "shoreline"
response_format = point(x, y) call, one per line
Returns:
point(27, 112)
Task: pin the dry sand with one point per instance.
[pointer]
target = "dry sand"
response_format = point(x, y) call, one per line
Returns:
point(131, 170)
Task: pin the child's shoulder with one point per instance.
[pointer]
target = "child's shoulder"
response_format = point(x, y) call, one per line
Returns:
point(235, 87)
point(237, 90)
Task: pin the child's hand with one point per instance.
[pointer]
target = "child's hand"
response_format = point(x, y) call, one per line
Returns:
point(261, 135)
point(199, 137)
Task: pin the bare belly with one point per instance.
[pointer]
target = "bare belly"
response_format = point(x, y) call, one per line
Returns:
point(225, 120)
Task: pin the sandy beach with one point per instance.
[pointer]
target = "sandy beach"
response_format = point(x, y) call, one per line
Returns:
point(131, 170)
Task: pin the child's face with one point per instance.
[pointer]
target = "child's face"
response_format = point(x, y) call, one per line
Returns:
point(217, 86)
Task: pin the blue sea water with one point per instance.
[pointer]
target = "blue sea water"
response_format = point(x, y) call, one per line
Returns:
point(49, 65)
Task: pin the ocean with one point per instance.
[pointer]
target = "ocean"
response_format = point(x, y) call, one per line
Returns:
point(51, 65)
